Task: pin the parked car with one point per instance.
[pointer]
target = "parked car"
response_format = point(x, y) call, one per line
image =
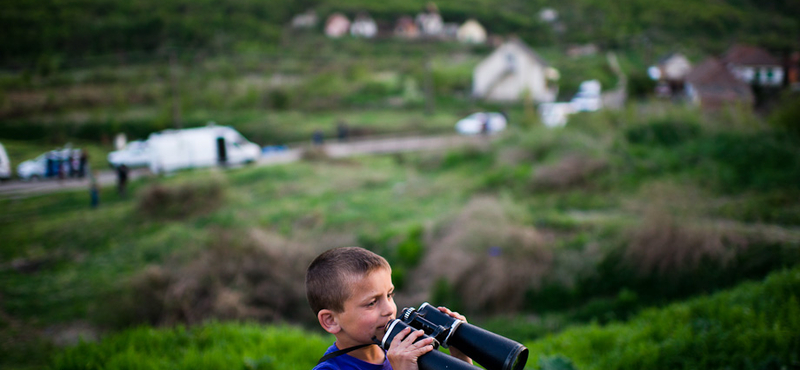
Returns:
point(135, 154)
point(212, 145)
point(33, 169)
point(481, 122)
point(555, 114)
point(5, 164)
point(588, 97)
point(55, 163)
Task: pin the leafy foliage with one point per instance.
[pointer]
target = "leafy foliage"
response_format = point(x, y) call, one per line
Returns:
point(754, 326)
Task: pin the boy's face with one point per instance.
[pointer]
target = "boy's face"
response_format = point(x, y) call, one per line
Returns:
point(367, 310)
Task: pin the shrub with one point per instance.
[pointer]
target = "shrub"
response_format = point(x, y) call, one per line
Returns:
point(753, 327)
point(314, 153)
point(487, 260)
point(250, 275)
point(181, 200)
point(663, 133)
point(570, 171)
point(763, 161)
point(209, 346)
point(787, 115)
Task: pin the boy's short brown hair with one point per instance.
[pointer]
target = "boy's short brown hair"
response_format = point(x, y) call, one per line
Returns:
point(330, 274)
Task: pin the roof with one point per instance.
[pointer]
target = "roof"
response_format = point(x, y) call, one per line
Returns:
point(669, 56)
point(716, 84)
point(749, 55)
point(528, 50)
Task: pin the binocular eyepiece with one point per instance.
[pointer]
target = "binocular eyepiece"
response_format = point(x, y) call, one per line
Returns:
point(492, 351)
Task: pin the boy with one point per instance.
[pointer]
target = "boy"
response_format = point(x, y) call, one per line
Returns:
point(350, 290)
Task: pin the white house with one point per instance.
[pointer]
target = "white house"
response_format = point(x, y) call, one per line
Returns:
point(430, 23)
point(364, 26)
point(337, 25)
point(753, 65)
point(514, 71)
point(471, 32)
point(672, 67)
point(305, 20)
point(670, 71)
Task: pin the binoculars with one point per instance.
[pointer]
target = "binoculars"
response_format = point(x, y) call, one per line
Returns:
point(492, 351)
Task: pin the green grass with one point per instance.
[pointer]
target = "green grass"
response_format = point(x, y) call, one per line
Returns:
point(402, 205)
point(754, 326)
point(209, 346)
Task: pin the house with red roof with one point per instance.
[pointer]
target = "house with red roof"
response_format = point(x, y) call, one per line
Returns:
point(712, 86)
point(753, 65)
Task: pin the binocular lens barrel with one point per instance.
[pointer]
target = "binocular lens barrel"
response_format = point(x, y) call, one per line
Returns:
point(493, 351)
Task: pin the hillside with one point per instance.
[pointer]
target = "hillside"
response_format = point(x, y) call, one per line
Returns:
point(51, 32)
point(530, 234)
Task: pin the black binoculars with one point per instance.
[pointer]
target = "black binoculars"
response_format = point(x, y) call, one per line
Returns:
point(492, 351)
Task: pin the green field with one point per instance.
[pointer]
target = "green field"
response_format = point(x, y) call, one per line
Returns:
point(654, 236)
point(618, 213)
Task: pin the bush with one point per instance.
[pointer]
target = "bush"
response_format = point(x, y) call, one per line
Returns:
point(486, 260)
point(754, 326)
point(209, 346)
point(247, 275)
point(664, 133)
point(572, 170)
point(734, 162)
point(182, 200)
point(787, 115)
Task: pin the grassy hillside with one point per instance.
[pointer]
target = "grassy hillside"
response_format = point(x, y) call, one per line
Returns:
point(534, 233)
point(81, 27)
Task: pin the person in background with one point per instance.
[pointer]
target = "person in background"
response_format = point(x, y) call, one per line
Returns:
point(122, 180)
point(317, 137)
point(94, 191)
point(82, 163)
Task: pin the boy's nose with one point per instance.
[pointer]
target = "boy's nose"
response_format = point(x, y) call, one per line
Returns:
point(389, 308)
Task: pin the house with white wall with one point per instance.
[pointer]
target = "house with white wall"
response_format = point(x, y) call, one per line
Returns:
point(363, 26)
point(514, 71)
point(753, 65)
point(337, 25)
point(471, 32)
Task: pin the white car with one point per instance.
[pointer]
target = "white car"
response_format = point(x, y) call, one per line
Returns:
point(482, 121)
point(555, 114)
point(33, 169)
point(588, 98)
point(135, 154)
point(5, 164)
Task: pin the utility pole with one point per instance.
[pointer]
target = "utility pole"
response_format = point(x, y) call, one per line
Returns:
point(176, 99)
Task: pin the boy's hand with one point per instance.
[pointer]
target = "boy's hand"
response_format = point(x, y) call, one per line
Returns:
point(404, 352)
point(453, 350)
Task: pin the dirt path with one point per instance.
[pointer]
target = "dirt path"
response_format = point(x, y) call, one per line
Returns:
point(22, 189)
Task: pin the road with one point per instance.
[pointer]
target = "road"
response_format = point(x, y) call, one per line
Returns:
point(383, 145)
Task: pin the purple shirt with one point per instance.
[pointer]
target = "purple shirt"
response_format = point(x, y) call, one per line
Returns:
point(347, 362)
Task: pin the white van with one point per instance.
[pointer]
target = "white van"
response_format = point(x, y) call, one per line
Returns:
point(172, 150)
point(5, 164)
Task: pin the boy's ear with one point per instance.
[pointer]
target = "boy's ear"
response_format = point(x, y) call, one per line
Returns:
point(327, 319)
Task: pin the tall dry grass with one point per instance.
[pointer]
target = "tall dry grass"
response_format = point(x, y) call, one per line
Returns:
point(487, 257)
point(571, 170)
point(666, 245)
point(255, 275)
point(181, 200)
